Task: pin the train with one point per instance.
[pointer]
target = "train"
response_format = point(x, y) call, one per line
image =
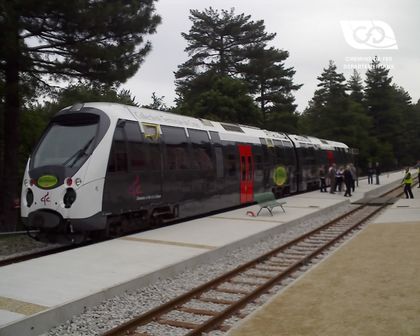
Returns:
point(103, 169)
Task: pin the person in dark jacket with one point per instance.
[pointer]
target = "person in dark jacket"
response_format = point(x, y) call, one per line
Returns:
point(353, 171)
point(377, 172)
point(348, 181)
point(370, 172)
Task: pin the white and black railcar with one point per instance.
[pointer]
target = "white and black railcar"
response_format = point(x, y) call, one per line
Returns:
point(102, 168)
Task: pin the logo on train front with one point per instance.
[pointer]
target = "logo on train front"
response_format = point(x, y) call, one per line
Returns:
point(46, 198)
point(369, 34)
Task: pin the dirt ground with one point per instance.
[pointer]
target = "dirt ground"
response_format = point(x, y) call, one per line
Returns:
point(369, 287)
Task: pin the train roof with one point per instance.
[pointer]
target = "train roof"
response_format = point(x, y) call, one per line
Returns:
point(227, 131)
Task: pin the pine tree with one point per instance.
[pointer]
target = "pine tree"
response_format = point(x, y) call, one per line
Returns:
point(406, 136)
point(218, 42)
point(332, 114)
point(157, 103)
point(94, 40)
point(221, 98)
point(355, 86)
point(272, 84)
point(378, 99)
point(328, 103)
point(392, 114)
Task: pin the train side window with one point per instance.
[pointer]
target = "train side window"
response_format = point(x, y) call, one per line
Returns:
point(290, 156)
point(136, 149)
point(231, 161)
point(258, 161)
point(279, 151)
point(143, 153)
point(118, 159)
point(215, 138)
point(309, 155)
point(176, 148)
point(218, 152)
point(201, 150)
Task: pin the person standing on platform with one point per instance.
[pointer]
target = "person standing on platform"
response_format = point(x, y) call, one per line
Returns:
point(377, 172)
point(408, 181)
point(348, 181)
point(353, 172)
point(331, 176)
point(370, 173)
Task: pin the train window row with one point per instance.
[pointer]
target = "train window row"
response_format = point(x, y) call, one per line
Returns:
point(204, 151)
point(131, 148)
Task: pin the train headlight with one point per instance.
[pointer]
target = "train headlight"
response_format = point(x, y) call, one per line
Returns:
point(78, 182)
point(69, 197)
point(29, 197)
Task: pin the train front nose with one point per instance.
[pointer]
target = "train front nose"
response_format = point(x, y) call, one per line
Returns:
point(52, 228)
point(44, 220)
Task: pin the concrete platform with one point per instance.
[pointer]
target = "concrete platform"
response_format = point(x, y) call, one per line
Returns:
point(37, 295)
point(368, 287)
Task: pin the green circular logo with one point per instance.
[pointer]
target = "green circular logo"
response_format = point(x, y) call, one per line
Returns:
point(280, 175)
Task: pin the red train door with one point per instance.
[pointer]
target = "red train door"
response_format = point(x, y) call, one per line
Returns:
point(247, 173)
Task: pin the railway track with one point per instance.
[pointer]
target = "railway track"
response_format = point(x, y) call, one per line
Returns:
point(189, 314)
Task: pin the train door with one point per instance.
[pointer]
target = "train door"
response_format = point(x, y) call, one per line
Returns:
point(247, 174)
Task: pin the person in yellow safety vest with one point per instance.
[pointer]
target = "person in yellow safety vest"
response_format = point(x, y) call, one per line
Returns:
point(408, 181)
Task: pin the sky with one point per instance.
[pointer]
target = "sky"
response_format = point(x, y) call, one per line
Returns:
point(313, 32)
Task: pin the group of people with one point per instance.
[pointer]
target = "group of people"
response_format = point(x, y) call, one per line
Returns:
point(347, 176)
point(337, 177)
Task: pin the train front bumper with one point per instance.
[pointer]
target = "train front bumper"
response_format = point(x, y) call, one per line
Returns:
point(52, 227)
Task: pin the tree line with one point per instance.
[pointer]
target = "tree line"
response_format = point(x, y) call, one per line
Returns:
point(232, 74)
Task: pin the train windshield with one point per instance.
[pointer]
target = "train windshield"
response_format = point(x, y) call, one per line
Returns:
point(68, 142)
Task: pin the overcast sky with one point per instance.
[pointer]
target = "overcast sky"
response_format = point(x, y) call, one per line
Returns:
point(312, 31)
